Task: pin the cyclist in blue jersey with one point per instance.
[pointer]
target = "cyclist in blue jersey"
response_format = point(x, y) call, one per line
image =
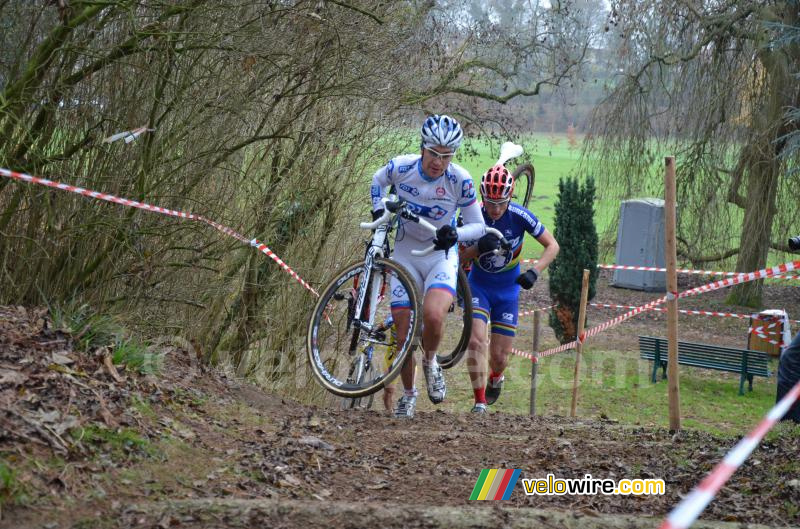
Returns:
point(495, 281)
point(436, 189)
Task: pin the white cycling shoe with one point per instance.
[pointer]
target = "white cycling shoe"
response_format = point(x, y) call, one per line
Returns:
point(434, 380)
point(405, 407)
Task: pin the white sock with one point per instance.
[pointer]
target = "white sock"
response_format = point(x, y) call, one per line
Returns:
point(427, 362)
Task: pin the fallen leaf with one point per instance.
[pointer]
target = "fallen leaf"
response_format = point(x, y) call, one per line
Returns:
point(289, 481)
point(12, 378)
point(111, 369)
point(315, 442)
point(61, 359)
point(50, 416)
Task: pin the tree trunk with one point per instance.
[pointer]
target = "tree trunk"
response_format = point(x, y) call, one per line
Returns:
point(760, 163)
point(759, 212)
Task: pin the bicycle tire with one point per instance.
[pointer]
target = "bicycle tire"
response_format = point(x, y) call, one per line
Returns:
point(324, 309)
point(464, 294)
point(525, 174)
point(360, 402)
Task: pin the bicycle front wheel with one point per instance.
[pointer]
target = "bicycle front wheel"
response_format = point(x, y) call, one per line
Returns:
point(337, 337)
point(458, 324)
point(361, 369)
point(525, 178)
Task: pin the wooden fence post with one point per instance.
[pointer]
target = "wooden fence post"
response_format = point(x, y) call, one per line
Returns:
point(535, 366)
point(579, 349)
point(673, 385)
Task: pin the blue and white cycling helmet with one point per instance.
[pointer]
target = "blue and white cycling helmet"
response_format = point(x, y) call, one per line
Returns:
point(441, 131)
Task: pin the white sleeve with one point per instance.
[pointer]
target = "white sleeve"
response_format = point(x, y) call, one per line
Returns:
point(381, 180)
point(473, 228)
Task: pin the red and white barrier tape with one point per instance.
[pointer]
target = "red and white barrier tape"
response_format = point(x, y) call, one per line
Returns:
point(761, 333)
point(685, 311)
point(261, 247)
point(540, 309)
point(523, 354)
point(762, 328)
point(688, 510)
point(682, 311)
point(716, 285)
point(684, 271)
point(679, 270)
point(779, 343)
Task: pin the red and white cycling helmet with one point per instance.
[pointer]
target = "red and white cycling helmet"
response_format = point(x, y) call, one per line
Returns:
point(497, 183)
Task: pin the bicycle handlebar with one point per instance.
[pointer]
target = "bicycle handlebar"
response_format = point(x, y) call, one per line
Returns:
point(430, 249)
point(499, 234)
point(392, 206)
point(377, 222)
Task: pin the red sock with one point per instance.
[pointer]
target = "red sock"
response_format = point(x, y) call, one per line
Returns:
point(494, 376)
point(480, 395)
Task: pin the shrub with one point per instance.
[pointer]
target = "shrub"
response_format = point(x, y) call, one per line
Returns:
point(577, 236)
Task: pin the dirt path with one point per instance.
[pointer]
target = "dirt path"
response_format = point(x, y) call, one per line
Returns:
point(91, 449)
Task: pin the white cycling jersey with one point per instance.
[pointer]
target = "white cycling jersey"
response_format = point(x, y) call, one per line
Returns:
point(437, 200)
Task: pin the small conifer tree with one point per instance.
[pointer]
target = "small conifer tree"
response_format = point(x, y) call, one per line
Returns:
point(577, 236)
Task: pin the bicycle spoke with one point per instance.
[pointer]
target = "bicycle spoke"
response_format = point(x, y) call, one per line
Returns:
point(348, 340)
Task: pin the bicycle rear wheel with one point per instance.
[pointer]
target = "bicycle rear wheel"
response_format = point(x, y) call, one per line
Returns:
point(335, 339)
point(458, 325)
point(525, 178)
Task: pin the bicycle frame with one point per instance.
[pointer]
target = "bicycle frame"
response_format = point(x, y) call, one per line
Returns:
point(374, 251)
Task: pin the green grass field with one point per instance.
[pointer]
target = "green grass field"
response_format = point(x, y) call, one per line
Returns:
point(553, 158)
point(551, 161)
point(616, 386)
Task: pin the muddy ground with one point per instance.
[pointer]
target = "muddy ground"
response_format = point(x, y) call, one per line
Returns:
point(89, 445)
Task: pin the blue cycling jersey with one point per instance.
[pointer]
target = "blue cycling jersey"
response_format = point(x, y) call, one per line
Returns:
point(502, 269)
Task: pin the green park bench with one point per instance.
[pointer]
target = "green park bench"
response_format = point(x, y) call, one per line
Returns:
point(743, 361)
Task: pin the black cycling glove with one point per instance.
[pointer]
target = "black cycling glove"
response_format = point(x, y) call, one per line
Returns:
point(488, 243)
point(378, 213)
point(446, 237)
point(527, 279)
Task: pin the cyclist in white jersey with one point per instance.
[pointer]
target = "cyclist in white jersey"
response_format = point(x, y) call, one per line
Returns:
point(435, 188)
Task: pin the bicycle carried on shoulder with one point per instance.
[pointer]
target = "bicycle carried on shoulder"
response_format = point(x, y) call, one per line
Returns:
point(525, 178)
point(351, 345)
point(524, 175)
point(346, 333)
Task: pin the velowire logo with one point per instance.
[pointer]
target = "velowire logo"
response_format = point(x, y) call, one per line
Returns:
point(495, 484)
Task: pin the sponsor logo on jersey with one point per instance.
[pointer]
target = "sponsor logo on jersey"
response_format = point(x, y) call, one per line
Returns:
point(537, 226)
point(508, 316)
point(375, 190)
point(440, 191)
point(442, 276)
point(434, 212)
point(405, 168)
point(494, 263)
point(409, 189)
point(399, 291)
point(475, 301)
point(467, 189)
point(451, 177)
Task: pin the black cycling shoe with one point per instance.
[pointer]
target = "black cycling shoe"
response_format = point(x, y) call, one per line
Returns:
point(493, 390)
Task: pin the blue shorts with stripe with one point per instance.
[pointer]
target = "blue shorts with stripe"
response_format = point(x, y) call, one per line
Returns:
point(498, 305)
